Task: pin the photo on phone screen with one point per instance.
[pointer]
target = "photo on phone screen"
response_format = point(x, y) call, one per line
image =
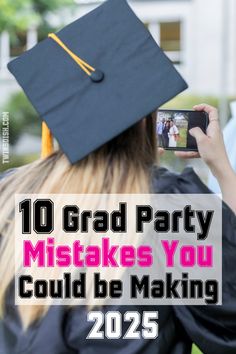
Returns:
point(173, 128)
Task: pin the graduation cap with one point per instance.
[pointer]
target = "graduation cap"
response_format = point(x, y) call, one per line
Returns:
point(95, 78)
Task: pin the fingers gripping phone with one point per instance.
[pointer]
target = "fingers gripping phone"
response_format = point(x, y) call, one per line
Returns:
point(173, 127)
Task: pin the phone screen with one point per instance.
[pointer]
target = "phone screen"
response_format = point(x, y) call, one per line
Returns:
point(173, 127)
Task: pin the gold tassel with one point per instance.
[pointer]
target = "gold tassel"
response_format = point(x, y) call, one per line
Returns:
point(47, 141)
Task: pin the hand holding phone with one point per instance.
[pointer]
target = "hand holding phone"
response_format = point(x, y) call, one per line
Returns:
point(211, 146)
point(173, 128)
point(212, 150)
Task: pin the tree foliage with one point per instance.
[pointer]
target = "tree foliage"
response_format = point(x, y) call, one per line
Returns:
point(18, 15)
point(44, 6)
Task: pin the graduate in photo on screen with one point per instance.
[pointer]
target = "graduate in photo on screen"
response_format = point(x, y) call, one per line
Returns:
point(173, 134)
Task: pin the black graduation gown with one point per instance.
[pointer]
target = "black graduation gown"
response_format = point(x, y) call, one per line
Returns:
point(212, 328)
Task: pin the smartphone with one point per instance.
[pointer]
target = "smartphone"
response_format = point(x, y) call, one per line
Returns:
point(173, 127)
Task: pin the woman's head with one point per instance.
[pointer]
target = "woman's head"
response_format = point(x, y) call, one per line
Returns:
point(122, 165)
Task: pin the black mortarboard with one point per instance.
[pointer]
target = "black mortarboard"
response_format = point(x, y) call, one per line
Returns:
point(132, 78)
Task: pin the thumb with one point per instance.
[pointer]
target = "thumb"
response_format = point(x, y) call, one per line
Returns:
point(198, 134)
point(161, 151)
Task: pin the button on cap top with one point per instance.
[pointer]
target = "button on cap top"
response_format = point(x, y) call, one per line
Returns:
point(97, 76)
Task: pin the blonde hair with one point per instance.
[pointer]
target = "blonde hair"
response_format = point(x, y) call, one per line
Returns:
point(122, 165)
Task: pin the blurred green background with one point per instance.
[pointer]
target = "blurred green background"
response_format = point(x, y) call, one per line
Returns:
point(15, 18)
